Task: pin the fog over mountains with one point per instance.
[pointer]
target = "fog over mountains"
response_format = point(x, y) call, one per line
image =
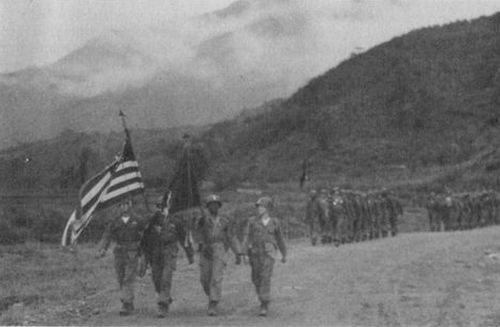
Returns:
point(189, 72)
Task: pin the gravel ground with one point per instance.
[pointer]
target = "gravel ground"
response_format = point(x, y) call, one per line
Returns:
point(417, 279)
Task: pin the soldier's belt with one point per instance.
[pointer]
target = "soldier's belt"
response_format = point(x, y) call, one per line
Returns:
point(127, 247)
point(168, 243)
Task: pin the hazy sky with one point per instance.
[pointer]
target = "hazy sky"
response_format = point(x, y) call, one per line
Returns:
point(41, 31)
point(37, 32)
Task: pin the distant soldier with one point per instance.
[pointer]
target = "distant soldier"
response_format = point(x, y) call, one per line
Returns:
point(216, 238)
point(383, 217)
point(261, 239)
point(372, 212)
point(353, 215)
point(325, 217)
point(339, 219)
point(432, 212)
point(394, 209)
point(160, 241)
point(312, 216)
point(467, 220)
point(364, 218)
point(126, 231)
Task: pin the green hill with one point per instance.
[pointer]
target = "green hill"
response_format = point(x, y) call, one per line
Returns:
point(427, 98)
point(65, 162)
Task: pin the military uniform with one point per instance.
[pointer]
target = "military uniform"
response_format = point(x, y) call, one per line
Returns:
point(127, 234)
point(164, 234)
point(261, 243)
point(312, 219)
point(339, 220)
point(325, 219)
point(393, 209)
point(216, 238)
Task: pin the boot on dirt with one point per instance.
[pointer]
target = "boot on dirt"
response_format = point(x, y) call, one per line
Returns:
point(163, 309)
point(264, 305)
point(127, 309)
point(212, 308)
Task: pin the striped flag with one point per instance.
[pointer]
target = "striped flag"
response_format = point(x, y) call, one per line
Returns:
point(116, 182)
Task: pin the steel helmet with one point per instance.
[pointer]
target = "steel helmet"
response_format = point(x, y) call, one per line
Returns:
point(266, 202)
point(213, 198)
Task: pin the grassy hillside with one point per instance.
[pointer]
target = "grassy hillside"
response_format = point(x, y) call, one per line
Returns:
point(65, 162)
point(427, 98)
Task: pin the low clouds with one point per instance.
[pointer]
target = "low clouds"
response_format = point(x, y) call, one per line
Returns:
point(278, 43)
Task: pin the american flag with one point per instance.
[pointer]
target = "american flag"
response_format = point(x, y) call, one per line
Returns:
point(118, 181)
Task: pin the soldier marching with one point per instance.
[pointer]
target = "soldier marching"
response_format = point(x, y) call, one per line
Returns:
point(351, 216)
point(461, 211)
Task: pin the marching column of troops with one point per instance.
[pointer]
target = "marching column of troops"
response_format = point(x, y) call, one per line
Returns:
point(462, 211)
point(344, 216)
point(155, 242)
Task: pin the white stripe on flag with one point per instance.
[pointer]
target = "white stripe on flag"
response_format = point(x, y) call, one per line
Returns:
point(69, 226)
point(85, 219)
point(95, 190)
point(127, 164)
point(121, 190)
point(125, 177)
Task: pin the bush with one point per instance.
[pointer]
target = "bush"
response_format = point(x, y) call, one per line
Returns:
point(10, 234)
point(226, 176)
point(49, 226)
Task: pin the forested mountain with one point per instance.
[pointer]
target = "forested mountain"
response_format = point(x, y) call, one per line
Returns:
point(427, 98)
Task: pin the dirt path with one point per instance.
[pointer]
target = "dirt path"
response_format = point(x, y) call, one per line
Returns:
point(424, 279)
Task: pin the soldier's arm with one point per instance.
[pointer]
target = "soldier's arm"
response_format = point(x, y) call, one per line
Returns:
point(182, 237)
point(280, 241)
point(232, 239)
point(106, 238)
point(246, 235)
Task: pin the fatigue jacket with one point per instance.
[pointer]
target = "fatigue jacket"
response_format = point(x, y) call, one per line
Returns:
point(260, 239)
point(214, 233)
point(155, 244)
point(126, 235)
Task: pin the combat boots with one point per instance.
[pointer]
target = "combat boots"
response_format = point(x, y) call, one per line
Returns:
point(264, 305)
point(163, 309)
point(127, 309)
point(212, 308)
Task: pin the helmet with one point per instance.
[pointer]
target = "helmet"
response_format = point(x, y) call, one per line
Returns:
point(266, 202)
point(213, 198)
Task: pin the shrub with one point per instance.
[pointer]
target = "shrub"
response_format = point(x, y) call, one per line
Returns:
point(49, 225)
point(10, 234)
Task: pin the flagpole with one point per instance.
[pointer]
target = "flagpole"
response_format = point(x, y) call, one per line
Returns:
point(127, 135)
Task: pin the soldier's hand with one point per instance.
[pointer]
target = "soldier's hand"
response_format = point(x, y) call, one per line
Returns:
point(283, 259)
point(157, 228)
point(142, 266)
point(245, 259)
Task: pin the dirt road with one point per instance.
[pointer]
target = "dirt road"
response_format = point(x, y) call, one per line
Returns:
point(421, 279)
